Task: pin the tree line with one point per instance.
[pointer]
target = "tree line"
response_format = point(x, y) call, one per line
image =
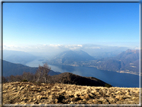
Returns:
point(41, 76)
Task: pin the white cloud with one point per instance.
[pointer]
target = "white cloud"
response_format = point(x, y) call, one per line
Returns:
point(79, 45)
point(95, 47)
point(138, 48)
point(51, 47)
point(10, 47)
point(45, 49)
point(58, 45)
point(73, 47)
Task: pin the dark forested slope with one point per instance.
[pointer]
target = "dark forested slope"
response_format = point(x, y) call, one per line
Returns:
point(18, 69)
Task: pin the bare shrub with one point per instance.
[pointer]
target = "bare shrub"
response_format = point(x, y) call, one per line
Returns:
point(42, 74)
point(28, 76)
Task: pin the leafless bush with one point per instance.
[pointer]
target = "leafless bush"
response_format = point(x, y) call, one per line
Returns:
point(42, 74)
point(13, 78)
point(28, 76)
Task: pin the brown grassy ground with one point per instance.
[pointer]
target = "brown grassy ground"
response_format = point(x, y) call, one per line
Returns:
point(29, 93)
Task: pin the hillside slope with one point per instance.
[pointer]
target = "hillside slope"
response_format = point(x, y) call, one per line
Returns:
point(127, 61)
point(18, 56)
point(29, 93)
point(69, 78)
point(18, 69)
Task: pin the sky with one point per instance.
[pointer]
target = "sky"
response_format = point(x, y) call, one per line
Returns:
point(54, 24)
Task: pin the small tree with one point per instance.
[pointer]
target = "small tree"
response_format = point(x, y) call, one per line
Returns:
point(28, 76)
point(42, 73)
point(11, 78)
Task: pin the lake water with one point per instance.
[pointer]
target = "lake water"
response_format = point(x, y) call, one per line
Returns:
point(113, 78)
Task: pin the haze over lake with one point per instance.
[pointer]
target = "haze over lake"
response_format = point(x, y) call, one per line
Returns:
point(113, 78)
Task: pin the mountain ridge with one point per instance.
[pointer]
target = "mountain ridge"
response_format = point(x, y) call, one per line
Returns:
point(18, 56)
point(70, 78)
point(18, 69)
point(125, 62)
point(70, 56)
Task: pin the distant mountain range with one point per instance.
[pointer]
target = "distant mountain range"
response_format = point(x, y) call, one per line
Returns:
point(128, 56)
point(70, 57)
point(99, 52)
point(18, 56)
point(18, 69)
point(125, 62)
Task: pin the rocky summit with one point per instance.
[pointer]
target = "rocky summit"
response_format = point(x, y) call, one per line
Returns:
point(58, 93)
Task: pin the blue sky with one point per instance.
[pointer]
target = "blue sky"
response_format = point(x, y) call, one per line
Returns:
point(26, 24)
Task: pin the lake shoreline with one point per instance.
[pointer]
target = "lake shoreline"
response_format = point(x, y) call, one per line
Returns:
point(121, 71)
point(58, 68)
point(114, 78)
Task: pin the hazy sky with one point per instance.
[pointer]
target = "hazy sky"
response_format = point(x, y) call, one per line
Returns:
point(29, 24)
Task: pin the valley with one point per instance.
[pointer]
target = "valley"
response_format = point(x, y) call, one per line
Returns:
point(123, 65)
point(125, 62)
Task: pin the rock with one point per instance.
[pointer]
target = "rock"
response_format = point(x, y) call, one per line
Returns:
point(111, 100)
point(102, 99)
point(118, 92)
point(56, 101)
point(38, 97)
point(91, 95)
point(71, 102)
point(4, 91)
point(117, 97)
point(21, 88)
